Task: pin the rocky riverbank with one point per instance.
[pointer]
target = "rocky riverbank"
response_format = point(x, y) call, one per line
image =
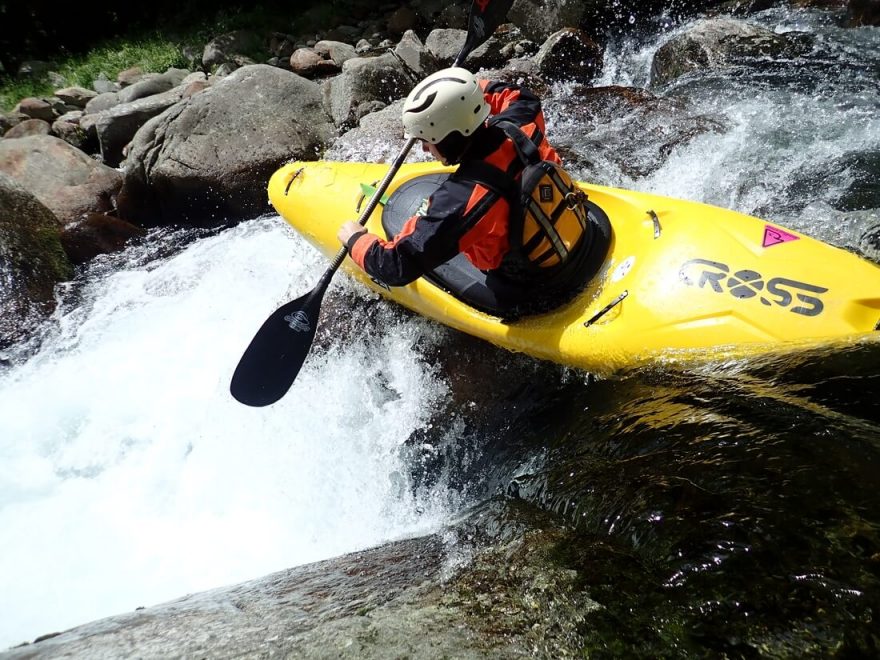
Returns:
point(197, 146)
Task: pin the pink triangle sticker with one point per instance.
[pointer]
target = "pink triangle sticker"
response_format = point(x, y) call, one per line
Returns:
point(775, 236)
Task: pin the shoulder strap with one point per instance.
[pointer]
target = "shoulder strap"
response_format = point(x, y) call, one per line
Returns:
point(495, 179)
point(526, 148)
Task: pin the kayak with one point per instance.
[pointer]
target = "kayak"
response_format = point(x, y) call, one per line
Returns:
point(682, 281)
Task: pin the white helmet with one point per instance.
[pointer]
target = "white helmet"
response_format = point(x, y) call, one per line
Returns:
point(446, 101)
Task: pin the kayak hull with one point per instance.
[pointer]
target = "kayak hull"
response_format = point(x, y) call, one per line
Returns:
point(683, 281)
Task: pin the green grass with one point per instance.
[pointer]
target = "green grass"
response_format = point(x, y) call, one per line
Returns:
point(154, 53)
point(163, 47)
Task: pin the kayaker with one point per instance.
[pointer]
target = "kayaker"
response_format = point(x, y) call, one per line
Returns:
point(529, 266)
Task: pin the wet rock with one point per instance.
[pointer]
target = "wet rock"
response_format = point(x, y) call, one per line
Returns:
point(606, 132)
point(32, 261)
point(538, 19)
point(377, 138)
point(720, 42)
point(863, 12)
point(96, 233)
point(28, 128)
point(569, 54)
point(207, 159)
point(497, 585)
point(61, 177)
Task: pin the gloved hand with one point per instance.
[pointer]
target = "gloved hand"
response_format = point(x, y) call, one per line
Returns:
point(348, 230)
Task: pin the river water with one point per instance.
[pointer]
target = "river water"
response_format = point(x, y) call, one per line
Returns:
point(739, 499)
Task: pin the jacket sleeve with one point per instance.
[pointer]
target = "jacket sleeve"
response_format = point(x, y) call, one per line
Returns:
point(513, 102)
point(425, 242)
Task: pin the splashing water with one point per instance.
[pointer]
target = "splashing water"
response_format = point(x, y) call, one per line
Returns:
point(128, 474)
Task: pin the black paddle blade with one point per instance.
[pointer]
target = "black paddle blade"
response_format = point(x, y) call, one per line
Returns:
point(277, 352)
point(485, 16)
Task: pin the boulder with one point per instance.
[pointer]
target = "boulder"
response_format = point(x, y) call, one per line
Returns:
point(538, 19)
point(63, 178)
point(378, 138)
point(445, 44)
point(715, 43)
point(365, 80)
point(29, 127)
point(102, 102)
point(71, 132)
point(337, 51)
point(413, 53)
point(863, 12)
point(32, 261)
point(610, 133)
point(36, 108)
point(569, 54)
point(309, 63)
point(76, 96)
point(115, 128)
point(230, 47)
point(96, 233)
point(207, 159)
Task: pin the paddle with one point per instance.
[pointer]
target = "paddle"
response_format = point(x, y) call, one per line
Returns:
point(275, 355)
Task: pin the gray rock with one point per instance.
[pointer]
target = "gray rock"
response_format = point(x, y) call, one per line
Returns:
point(569, 54)
point(720, 42)
point(467, 593)
point(227, 47)
point(148, 85)
point(76, 96)
point(445, 44)
point(413, 53)
point(365, 79)
point(114, 128)
point(102, 102)
point(337, 51)
point(71, 132)
point(208, 158)
point(62, 177)
point(10, 119)
point(538, 19)
point(103, 85)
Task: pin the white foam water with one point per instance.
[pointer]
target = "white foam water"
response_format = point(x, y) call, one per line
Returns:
point(129, 475)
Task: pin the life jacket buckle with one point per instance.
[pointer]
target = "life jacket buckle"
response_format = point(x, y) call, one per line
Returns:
point(574, 199)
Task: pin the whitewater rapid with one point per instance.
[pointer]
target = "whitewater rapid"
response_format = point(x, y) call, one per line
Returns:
point(128, 474)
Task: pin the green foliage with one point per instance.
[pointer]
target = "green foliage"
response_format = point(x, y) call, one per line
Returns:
point(161, 46)
point(153, 53)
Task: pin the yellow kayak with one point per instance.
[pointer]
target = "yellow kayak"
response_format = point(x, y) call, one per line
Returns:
point(682, 281)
